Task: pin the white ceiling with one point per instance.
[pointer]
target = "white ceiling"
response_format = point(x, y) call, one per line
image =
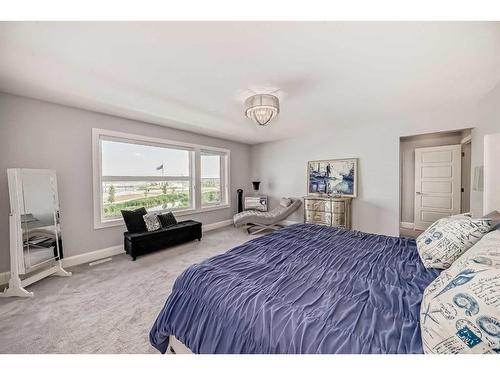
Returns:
point(195, 75)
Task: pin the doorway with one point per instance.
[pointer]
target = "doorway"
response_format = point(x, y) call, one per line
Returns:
point(434, 178)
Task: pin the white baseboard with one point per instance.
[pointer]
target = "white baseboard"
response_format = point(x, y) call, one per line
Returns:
point(291, 222)
point(4, 278)
point(92, 256)
point(407, 225)
point(217, 225)
point(107, 252)
point(76, 260)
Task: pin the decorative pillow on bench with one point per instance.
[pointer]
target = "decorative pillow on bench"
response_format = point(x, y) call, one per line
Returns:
point(152, 222)
point(448, 238)
point(167, 220)
point(134, 220)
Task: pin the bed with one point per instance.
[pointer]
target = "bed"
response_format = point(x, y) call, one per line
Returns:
point(303, 289)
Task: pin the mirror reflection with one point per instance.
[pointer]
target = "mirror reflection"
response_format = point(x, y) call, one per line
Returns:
point(39, 219)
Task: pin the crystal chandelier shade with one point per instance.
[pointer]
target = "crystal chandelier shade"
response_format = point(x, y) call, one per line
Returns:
point(262, 108)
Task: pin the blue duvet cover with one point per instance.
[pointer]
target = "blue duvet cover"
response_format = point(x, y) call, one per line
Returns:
point(302, 289)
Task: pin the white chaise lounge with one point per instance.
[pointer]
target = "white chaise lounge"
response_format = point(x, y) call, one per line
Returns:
point(259, 221)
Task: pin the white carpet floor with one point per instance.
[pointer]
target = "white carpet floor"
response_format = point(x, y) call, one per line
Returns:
point(107, 308)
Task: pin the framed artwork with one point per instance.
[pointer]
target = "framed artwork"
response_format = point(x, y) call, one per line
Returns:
point(333, 177)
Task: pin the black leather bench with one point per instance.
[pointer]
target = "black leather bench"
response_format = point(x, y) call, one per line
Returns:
point(145, 242)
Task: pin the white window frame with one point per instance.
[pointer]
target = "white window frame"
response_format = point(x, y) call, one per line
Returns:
point(194, 178)
point(223, 177)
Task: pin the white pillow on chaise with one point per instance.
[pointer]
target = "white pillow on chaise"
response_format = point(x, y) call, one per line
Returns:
point(285, 202)
point(460, 311)
point(448, 238)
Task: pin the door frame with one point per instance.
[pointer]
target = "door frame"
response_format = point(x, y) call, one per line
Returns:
point(466, 166)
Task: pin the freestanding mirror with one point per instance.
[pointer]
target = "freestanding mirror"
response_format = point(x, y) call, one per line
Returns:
point(35, 233)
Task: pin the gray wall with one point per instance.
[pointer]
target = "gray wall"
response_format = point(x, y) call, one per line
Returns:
point(281, 166)
point(36, 134)
point(407, 170)
point(489, 121)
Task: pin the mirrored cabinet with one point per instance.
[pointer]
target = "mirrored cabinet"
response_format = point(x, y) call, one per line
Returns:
point(331, 211)
point(36, 246)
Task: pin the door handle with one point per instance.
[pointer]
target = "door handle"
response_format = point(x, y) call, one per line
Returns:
point(418, 193)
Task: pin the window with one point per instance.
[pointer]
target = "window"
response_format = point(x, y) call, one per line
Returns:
point(136, 175)
point(211, 179)
point(132, 171)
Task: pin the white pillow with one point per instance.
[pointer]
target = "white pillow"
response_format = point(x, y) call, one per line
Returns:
point(445, 240)
point(285, 202)
point(152, 222)
point(460, 311)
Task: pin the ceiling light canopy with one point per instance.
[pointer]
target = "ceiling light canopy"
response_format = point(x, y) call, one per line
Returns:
point(262, 108)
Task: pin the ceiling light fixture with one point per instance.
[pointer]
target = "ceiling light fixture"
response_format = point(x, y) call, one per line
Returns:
point(262, 108)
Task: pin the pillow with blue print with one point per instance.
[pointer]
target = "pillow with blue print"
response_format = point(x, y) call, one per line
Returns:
point(460, 310)
point(495, 219)
point(448, 238)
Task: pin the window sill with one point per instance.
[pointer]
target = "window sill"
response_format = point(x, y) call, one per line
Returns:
point(191, 211)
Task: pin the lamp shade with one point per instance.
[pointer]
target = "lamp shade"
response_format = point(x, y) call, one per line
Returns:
point(262, 108)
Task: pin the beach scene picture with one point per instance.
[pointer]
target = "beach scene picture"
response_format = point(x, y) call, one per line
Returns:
point(332, 177)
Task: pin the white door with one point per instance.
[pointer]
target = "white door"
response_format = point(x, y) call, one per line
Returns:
point(437, 183)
